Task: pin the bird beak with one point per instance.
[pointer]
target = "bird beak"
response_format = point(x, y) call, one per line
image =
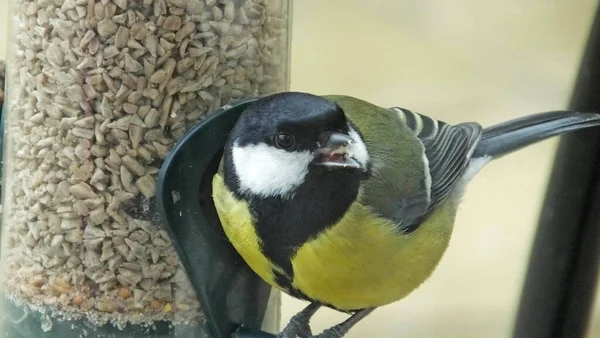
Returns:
point(333, 151)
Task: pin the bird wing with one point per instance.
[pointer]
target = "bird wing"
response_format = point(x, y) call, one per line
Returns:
point(415, 160)
point(448, 150)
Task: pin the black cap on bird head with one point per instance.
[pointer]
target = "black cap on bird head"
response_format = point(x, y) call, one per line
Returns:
point(281, 139)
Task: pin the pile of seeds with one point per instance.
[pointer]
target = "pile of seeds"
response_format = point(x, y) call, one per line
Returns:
point(100, 91)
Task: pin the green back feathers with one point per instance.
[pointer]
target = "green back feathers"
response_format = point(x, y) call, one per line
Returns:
point(398, 187)
point(417, 160)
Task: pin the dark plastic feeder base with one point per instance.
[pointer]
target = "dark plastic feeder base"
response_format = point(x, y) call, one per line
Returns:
point(231, 294)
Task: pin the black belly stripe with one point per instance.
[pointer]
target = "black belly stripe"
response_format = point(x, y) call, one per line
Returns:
point(286, 283)
point(284, 224)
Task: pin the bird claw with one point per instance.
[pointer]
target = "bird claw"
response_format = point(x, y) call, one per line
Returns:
point(296, 328)
point(333, 332)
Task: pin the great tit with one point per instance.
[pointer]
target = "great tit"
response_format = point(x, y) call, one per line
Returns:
point(348, 205)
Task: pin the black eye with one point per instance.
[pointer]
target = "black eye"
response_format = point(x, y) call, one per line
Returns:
point(284, 140)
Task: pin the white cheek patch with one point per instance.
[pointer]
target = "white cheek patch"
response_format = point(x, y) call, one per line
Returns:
point(358, 149)
point(266, 171)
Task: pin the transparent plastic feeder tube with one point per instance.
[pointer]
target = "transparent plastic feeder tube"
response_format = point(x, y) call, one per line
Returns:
point(98, 92)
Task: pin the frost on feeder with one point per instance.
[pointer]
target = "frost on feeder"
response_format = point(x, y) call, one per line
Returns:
point(98, 93)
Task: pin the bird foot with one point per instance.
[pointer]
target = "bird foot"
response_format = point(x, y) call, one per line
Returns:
point(297, 327)
point(341, 329)
point(334, 332)
point(299, 324)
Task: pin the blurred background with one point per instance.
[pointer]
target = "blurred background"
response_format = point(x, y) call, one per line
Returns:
point(464, 60)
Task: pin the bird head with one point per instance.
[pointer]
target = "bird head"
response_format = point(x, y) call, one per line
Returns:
point(282, 139)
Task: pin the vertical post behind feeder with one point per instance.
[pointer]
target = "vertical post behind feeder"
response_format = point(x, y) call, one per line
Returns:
point(559, 288)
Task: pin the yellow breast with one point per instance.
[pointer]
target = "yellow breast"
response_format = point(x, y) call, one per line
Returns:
point(363, 261)
point(236, 220)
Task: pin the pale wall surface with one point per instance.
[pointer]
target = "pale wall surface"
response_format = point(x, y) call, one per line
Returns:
point(3, 27)
point(458, 61)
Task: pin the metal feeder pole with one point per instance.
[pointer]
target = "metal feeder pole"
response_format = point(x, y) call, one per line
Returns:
point(558, 293)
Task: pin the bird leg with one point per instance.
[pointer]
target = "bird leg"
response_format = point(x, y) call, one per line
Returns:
point(341, 329)
point(299, 324)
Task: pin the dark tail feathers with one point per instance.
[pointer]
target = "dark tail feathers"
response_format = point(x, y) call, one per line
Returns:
point(504, 138)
